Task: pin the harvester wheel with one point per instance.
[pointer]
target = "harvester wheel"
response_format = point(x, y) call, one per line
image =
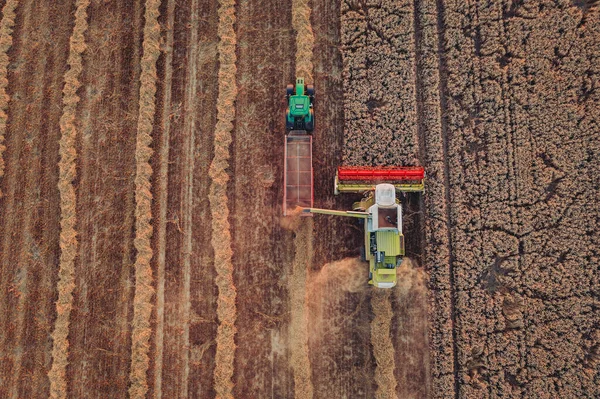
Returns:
point(310, 90)
point(363, 256)
point(289, 90)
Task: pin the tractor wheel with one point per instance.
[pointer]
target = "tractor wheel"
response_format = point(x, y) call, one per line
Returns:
point(289, 90)
point(310, 126)
point(310, 90)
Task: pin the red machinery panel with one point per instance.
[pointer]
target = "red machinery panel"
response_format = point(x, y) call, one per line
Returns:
point(356, 173)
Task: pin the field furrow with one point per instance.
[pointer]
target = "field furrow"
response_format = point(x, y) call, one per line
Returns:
point(161, 194)
point(68, 205)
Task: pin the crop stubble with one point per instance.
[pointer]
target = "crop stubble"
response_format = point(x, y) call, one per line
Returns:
point(30, 235)
point(107, 124)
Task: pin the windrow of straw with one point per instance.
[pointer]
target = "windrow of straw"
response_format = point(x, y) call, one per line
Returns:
point(383, 348)
point(305, 39)
point(303, 388)
point(221, 230)
point(68, 199)
point(6, 29)
point(142, 305)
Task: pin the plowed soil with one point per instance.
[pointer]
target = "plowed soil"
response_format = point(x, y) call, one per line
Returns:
point(143, 252)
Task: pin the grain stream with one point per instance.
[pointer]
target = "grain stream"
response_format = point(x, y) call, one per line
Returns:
point(6, 30)
point(68, 202)
point(221, 230)
point(142, 305)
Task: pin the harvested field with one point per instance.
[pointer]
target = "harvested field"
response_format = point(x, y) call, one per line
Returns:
point(143, 251)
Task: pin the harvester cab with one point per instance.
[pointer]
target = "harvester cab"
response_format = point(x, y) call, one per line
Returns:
point(381, 211)
point(300, 114)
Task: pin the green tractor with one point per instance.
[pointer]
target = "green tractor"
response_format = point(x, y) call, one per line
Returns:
point(300, 114)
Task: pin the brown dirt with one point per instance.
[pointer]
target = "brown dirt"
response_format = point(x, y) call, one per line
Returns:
point(497, 100)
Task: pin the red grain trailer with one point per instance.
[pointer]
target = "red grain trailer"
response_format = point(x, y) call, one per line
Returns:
point(298, 173)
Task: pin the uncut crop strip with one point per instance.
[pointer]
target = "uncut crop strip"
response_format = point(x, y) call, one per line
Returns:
point(303, 387)
point(382, 344)
point(68, 201)
point(161, 187)
point(221, 230)
point(142, 306)
point(6, 29)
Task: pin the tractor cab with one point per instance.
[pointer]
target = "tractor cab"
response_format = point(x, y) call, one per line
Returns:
point(300, 114)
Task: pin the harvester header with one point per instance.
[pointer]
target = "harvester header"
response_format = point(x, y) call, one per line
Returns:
point(359, 179)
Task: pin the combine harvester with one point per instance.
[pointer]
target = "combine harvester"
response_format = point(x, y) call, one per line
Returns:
point(381, 214)
point(380, 209)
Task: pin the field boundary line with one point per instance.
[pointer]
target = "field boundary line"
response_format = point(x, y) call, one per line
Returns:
point(381, 327)
point(142, 305)
point(6, 30)
point(219, 208)
point(162, 187)
point(68, 205)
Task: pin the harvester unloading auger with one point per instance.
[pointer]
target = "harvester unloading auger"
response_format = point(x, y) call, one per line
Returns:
point(381, 211)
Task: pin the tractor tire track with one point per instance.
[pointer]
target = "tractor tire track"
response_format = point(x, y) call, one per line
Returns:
point(68, 205)
point(162, 198)
point(6, 31)
point(144, 290)
point(187, 190)
point(221, 229)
